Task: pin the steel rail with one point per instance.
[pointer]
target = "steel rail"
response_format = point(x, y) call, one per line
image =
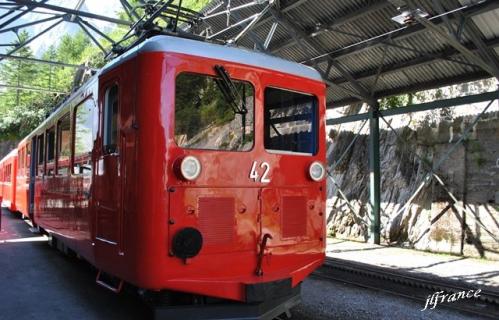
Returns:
point(413, 287)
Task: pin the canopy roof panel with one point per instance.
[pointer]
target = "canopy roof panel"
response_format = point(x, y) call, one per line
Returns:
point(362, 53)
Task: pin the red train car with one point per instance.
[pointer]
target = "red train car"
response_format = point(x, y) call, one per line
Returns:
point(22, 178)
point(8, 175)
point(185, 166)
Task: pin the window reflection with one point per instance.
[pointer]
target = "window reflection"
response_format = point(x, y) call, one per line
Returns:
point(205, 117)
point(63, 144)
point(83, 143)
point(290, 123)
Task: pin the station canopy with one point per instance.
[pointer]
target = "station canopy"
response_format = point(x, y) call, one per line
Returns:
point(369, 49)
point(364, 49)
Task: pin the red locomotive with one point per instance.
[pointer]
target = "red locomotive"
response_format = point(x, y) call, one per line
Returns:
point(188, 167)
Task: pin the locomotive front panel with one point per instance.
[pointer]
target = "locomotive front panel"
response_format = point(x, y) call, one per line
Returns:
point(245, 177)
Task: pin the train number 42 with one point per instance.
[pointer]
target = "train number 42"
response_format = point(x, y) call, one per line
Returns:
point(264, 178)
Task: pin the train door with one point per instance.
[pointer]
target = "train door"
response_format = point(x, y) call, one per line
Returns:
point(108, 174)
point(32, 175)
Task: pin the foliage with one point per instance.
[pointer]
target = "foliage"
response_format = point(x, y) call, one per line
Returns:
point(21, 110)
point(393, 102)
point(195, 4)
point(207, 107)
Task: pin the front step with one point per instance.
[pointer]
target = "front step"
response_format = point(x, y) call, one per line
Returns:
point(100, 280)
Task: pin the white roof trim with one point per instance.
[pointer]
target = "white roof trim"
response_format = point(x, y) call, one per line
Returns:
point(215, 51)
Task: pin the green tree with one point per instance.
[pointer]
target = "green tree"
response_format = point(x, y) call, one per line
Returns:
point(18, 73)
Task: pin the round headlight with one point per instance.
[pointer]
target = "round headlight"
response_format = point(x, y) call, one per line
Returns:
point(317, 171)
point(190, 167)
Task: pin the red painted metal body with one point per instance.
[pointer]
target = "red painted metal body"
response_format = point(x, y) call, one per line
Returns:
point(22, 179)
point(123, 215)
point(8, 175)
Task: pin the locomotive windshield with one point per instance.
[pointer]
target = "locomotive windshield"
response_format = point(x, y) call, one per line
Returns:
point(206, 119)
point(290, 124)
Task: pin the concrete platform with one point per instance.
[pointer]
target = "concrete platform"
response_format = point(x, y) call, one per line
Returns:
point(38, 282)
point(476, 272)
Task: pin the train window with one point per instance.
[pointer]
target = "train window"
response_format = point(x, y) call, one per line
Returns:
point(110, 131)
point(290, 123)
point(209, 116)
point(40, 150)
point(83, 138)
point(28, 155)
point(50, 144)
point(19, 161)
point(63, 144)
point(41, 155)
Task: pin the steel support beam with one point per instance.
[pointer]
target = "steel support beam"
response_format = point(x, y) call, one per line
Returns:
point(54, 63)
point(338, 22)
point(283, 10)
point(400, 34)
point(432, 84)
point(444, 103)
point(129, 10)
point(31, 89)
point(17, 48)
point(415, 63)
point(374, 177)
point(251, 34)
point(24, 25)
point(72, 11)
point(477, 38)
point(91, 36)
point(96, 30)
point(301, 38)
point(9, 12)
point(19, 15)
point(454, 43)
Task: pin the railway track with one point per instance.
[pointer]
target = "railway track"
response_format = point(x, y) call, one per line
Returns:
point(409, 286)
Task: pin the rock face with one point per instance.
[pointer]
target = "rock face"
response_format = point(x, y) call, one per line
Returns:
point(455, 210)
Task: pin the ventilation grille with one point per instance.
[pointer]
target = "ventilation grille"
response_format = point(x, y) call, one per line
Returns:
point(216, 220)
point(294, 216)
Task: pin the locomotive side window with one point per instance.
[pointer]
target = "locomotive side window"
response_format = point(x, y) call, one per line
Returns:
point(63, 144)
point(290, 124)
point(83, 138)
point(209, 116)
point(110, 131)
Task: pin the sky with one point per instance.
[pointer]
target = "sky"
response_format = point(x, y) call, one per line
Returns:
point(107, 8)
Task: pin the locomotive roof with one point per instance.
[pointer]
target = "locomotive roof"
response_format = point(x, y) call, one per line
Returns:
point(220, 52)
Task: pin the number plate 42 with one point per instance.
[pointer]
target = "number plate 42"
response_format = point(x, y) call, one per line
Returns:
point(264, 168)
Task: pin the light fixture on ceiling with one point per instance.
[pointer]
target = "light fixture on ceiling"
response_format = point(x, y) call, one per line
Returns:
point(409, 16)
